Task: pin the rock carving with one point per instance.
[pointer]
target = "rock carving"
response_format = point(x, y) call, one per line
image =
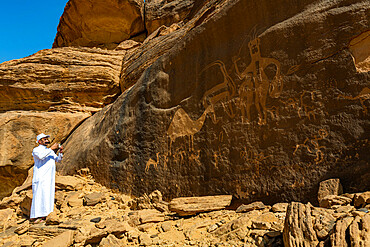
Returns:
point(152, 162)
point(256, 82)
point(183, 125)
point(224, 91)
point(313, 147)
point(362, 96)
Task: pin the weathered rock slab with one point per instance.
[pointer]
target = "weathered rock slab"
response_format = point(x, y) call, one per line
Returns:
point(94, 198)
point(63, 240)
point(331, 200)
point(329, 187)
point(193, 205)
point(361, 199)
point(68, 182)
point(249, 207)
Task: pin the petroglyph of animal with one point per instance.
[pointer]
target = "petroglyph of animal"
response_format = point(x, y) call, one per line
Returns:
point(362, 96)
point(312, 145)
point(252, 157)
point(301, 106)
point(152, 162)
point(223, 92)
point(256, 83)
point(182, 125)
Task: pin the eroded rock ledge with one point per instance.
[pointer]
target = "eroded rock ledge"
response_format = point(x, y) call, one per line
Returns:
point(61, 79)
point(99, 23)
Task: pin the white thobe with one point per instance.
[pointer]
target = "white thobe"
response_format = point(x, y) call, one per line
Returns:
point(43, 181)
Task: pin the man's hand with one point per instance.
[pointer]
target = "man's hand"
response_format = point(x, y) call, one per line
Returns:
point(61, 149)
point(54, 147)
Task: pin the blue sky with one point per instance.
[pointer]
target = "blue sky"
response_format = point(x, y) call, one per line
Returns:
point(28, 26)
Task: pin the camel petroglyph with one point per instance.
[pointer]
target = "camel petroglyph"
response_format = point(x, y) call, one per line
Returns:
point(182, 125)
point(152, 162)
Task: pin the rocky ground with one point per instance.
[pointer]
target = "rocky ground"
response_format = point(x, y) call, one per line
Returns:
point(88, 214)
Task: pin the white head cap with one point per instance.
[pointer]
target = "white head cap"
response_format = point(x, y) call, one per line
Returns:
point(42, 135)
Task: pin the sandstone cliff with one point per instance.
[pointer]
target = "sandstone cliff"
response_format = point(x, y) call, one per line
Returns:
point(262, 100)
point(258, 99)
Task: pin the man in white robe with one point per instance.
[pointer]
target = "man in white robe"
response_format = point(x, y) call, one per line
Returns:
point(43, 181)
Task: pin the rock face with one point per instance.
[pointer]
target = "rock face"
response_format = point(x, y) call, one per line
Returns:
point(99, 24)
point(262, 100)
point(18, 131)
point(63, 79)
point(163, 12)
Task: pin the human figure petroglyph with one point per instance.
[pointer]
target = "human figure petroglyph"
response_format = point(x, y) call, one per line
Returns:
point(313, 147)
point(256, 83)
point(223, 92)
point(182, 125)
point(362, 96)
point(152, 162)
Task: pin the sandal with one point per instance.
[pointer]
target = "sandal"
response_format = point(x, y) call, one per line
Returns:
point(38, 221)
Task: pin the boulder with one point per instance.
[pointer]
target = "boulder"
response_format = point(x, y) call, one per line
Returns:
point(127, 45)
point(331, 200)
point(361, 199)
point(11, 202)
point(279, 207)
point(41, 230)
point(339, 235)
point(192, 205)
point(27, 241)
point(329, 187)
point(53, 218)
point(298, 227)
point(68, 183)
point(19, 130)
point(188, 122)
point(150, 215)
point(324, 221)
point(95, 236)
point(5, 216)
point(359, 231)
point(110, 241)
point(22, 228)
point(74, 199)
point(63, 240)
point(25, 204)
point(249, 207)
point(94, 198)
point(144, 239)
point(102, 24)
